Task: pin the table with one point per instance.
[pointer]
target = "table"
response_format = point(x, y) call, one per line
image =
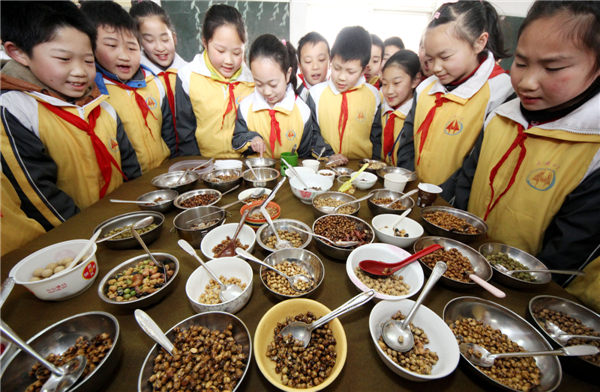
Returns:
point(363, 371)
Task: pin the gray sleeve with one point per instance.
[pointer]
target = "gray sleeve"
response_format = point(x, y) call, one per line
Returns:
point(312, 141)
point(242, 135)
point(376, 132)
point(406, 151)
point(186, 122)
point(129, 161)
point(167, 129)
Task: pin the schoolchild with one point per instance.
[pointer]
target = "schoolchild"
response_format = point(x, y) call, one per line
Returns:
point(210, 88)
point(462, 43)
point(390, 46)
point(374, 66)
point(399, 78)
point(63, 147)
point(348, 110)
point(134, 91)
point(313, 58)
point(425, 70)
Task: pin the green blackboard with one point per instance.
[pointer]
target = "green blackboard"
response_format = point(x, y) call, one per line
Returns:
point(510, 29)
point(261, 17)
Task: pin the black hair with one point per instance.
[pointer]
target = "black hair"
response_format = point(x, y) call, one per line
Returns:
point(312, 38)
point(584, 25)
point(405, 59)
point(145, 9)
point(271, 47)
point(394, 41)
point(375, 40)
point(473, 18)
point(109, 14)
point(27, 24)
point(353, 43)
point(221, 15)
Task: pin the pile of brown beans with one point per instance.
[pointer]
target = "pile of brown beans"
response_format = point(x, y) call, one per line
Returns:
point(218, 248)
point(459, 266)
point(212, 289)
point(341, 228)
point(331, 202)
point(450, 222)
point(388, 285)
point(294, 237)
point(199, 200)
point(387, 200)
point(224, 178)
point(281, 285)
point(272, 211)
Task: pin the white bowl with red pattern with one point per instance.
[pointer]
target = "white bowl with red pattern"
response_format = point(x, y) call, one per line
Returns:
point(323, 184)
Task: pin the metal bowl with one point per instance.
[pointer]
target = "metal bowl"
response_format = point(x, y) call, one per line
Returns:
point(267, 178)
point(265, 232)
point(396, 170)
point(385, 193)
point(57, 338)
point(541, 278)
point(126, 220)
point(223, 186)
point(318, 212)
point(515, 328)
point(212, 321)
point(480, 265)
point(190, 164)
point(342, 170)
point(334, 251)
point(147, 300)
point(370, 162)
point(194, 237)
point(162, 206)
point(260, 162)
point(471, 219)
point(167, 181)
point(181, 198)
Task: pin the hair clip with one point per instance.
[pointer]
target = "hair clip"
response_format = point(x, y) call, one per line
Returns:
point(285, 43)
point(436, 16)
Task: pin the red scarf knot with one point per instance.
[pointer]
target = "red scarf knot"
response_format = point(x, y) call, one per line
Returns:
point(275, 132)
point(388, 137)
point(424, 128)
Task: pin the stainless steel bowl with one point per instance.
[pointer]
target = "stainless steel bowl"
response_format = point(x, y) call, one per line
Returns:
point(223, 186)
point(513, 326)
point(541, 278)
point(212, 321)
point(267, 178)
point(146, 300)
point(162, 206)
point(480, 265)
point(181, 198)
point(260, 162)
point(397, 170)
point(307, 260)
point(57, 338)
point(370, 162)
point(194, 237)
point(318, 212)
point(334, 251)
point(342, 170)
point(471, 219)
point(385, 193)
point(265, 232)
point(126, 220)
point(168, 181)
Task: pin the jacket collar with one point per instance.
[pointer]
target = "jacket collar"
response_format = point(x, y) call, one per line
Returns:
point(137, 81)
point(359, 84)
point(403, 109)
point(286, 104)
point(176, 65)
point(198, 65)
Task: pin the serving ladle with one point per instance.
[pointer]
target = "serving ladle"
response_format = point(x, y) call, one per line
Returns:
point(153, 330)
point(339, 244)
point(150, 203)
point(61, 378)
point(508, 272)
point(379, 268)
point(137, 225)
point(156, 262)
point(561, 336)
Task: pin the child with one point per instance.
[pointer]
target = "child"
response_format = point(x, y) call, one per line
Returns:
point(348, 110)
point(534, 176)
point(211, 87)
point(271, 119)
point(63, 147)
point(391, 46)
point(374, 66)
point(158, 41)
point(313, 57)
point(462, 43)
point(425, 71)
point(399, 78)
point(136, 93)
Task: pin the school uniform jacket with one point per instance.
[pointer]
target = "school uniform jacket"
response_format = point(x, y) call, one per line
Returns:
point(303, 87)
point(362, 136)
point(203, 123)
point(393, 130)
point(456, 124)
point(296, 123)
point(552, 209)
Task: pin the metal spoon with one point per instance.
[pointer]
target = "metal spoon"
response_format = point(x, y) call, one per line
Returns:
point(294, 280)
point(256, 194)
point(479, 356)
point(153, 330)
point(228, 291)
point(229, 250)
point(295, 173)
point(561, 336)
point(137, 225)
point(396, 334)
point(7, 287)
point(271, 196)
point(336, 209)
point(379, 268)
point(152, 203)
point(505, 271)
point(339, 244)
point(281, 244)
point(294, 148)
point(61, 378)
point(252, 170)
point(321, 153)
point(196, 168)
point(156, 262)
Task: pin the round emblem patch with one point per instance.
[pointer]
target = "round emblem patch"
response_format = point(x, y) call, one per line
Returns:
point(151, 102)
point(291, 134)
point(453, 127)
point(541, 179)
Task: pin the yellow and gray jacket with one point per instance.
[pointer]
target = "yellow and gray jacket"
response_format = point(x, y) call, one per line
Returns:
point(303, 87)
point(393, 138)
point(177, 64)
point(362, 136)
point(296, 122)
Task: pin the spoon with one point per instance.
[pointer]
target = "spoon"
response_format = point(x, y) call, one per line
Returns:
point(336, 209)
point(339, 244)
point(496, 292)
point(380, 268)
point(561, 336)
point(152, 203)
point(321, 153)
point(281, 244)
point(294, 148)
point(395, 229)
point(61, 378)
point(252, 170)
point(229, 250)
point(7, 287)
point(295, 173)
point(345, 186)
point(156, 262)
point(196, 168)
point(479, 356)
point(302, 331)
point(505, 271)
point(137, 225)
point(228, 291)
point(271, 196)
point(332, 162)
point(294, 280)
point(153, 330)
point(83, 252)
point(396, 334)
point(258, 193)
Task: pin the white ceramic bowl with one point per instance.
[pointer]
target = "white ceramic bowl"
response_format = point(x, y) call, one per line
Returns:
point(228, 267)
point(215, 236)
point(365, 181)
point(228, 164)
point(412, 273)
point(310, 180)
point(442, 340)
point(327, 173)
point(412, 227)
point(300, 170)
point(245, 194)
point(65, 285)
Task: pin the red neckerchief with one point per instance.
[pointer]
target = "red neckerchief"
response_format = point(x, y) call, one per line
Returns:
point(388, 136)
point(231, 104)
point(275, 132)
point(343, 117)
point(303, 81)
point(103, 157)
point(171, 99)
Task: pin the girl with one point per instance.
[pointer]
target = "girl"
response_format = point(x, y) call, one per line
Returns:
point(400, 76)
point(462, 43)
point(374, 66)
point(272, 119)
point(158, 40)
point(210, 88)
point(534, 176)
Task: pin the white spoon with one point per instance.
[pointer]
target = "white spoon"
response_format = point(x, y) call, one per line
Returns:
point(153, 330)
point(87, 247)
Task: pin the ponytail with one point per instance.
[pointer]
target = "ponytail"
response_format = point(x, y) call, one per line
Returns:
point(495, 42)
point(293, 57)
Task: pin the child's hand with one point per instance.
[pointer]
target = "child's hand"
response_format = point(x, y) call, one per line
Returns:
point(341, 160)
point(258, 145)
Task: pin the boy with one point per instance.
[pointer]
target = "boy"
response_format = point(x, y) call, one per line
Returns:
point(348, 109)
point(372, 70)
point(63, 147)
point(391, 46)
point(313, 60)
point(138, 95)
